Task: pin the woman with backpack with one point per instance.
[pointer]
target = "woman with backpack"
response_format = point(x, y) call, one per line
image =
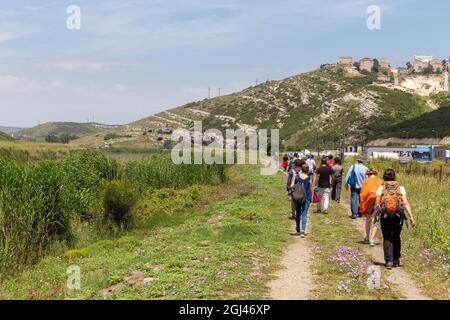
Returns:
point(301, 190)
point(367, 204)
point(392, 204)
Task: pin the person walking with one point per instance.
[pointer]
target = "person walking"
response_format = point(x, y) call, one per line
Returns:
point(368, 202)
point(324, 183)
point(392, 204)
point(293, 171)
point(355, 177)
point(338, 172)
point(301, 192)
point(311, 164)
point(330, 161)
point(285, 163)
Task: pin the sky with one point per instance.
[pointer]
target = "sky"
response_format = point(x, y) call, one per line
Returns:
point(133, 58)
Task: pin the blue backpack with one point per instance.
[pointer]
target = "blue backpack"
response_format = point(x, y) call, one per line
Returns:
point(352, 179)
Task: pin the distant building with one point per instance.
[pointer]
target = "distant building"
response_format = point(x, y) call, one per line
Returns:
point(419, 65)
point(346, 61)
point(421, 62)
point(366, 64)
point(425, 59)
point(436, 64)
point(384, 63)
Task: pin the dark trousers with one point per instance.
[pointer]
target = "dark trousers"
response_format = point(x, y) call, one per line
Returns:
point(336, 192)
point(391, 228)
point(292, 208)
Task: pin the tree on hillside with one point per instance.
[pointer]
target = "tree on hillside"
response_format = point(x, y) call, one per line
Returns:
point(376, 66)
point(409, 66)
point(428, 69)
point(51, 138)
point(357, 65)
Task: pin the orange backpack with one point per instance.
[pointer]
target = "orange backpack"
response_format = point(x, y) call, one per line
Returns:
point(391, 198)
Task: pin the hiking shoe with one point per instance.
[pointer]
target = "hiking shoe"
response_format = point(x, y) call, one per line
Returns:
point(303, 234)
point(372, 243)
point(389, 265)
point(366, 241)
point(325, 212)
point(354, 217)
point(396, 264)
point(318, 211)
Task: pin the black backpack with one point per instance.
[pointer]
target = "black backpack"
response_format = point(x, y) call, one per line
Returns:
point(299, 193)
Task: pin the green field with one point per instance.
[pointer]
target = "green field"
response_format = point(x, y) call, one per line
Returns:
point(146, 229)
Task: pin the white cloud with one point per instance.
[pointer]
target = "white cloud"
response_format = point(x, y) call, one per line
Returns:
point(85, 65)
point(6, 36)
point(54, 100)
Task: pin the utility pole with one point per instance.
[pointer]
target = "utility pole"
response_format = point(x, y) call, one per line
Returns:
point(436, 133)
point(209, 92)
point(219, 91)
point(446, 70)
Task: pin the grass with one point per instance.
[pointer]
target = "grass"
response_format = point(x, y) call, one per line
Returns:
point(224, 249)
point(30, 151)
point(224, 242)
point(329, 232)
point(426, 247)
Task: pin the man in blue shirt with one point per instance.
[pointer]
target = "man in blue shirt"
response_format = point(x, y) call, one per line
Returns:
point(355, 177)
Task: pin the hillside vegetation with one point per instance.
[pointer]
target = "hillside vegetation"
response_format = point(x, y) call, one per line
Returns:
point(4, 136)
point(56, 130)
point(423, 125)
point(322, 107)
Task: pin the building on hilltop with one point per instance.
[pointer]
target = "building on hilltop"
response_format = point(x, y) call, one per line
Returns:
point(425, 59)
point(346, 60)
point(384, 63)
point(421, 62)
point(366, 64)
point(436, 64)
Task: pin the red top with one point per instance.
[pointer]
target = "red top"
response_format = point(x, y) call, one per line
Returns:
point(330, 163)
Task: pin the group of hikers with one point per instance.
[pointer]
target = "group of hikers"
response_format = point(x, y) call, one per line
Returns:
point(380, 201)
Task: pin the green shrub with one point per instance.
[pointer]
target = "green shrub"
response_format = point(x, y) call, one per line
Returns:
point(111, 135)
point(160, 172)
point(83, 174)
point(33, 213)
point(118, 200)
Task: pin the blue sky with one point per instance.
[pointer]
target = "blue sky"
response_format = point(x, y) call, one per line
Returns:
point(137, 57)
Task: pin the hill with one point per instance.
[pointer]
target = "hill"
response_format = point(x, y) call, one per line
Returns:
point(11, 130)
point(323, 107)
point(4, 136)
point(58, 129)
point(423, 125)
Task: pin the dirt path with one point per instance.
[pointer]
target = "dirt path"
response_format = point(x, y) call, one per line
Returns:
point(294, 279)
point(396, 276)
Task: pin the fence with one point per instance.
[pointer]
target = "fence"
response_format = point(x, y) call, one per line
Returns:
point(439, 172)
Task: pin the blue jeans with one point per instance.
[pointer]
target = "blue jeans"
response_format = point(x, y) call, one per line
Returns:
point(301, 209)
point(354, 201)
